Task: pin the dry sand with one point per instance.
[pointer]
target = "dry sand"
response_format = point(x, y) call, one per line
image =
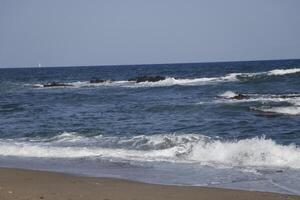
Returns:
point(31, 185)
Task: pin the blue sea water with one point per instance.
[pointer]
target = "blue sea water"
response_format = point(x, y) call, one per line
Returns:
point(185, 130)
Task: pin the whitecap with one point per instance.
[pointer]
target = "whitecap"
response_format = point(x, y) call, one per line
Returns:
point(228, 97)
point(181, 148)
point(171, 81)
point(278, 72)
point(285, 110)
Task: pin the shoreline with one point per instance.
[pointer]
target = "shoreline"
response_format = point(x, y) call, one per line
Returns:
point(31, 184)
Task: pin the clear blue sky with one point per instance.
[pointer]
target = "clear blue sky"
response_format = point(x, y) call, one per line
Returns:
point(108, 32)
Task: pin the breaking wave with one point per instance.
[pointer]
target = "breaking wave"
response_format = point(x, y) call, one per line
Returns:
point(171, 81)
point(278, 72)
point(190, 148)
point(293, 101)
point(284, 110)
point(229, 97)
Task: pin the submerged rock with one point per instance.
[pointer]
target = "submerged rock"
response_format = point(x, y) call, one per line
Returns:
point(285, 96)
point(101, 81)
point(244, 96)
point(232, 95)
point(56, 84)
point(97, 81)
point(240, 97)
point(140, 79)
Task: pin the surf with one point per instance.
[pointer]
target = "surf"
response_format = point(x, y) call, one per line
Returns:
point(182, 148)
point(172, 81)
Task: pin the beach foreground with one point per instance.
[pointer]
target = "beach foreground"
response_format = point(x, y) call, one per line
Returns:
point(30, 185)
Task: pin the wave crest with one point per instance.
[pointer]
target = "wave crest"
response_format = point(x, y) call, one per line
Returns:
point(277, 72)
point(293, 101)
point(191, 148)
point(285, 110)
point(171, 81)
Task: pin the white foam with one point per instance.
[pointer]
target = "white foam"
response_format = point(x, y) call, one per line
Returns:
point(173, 81)
point(37, 85)
point(228, 94)
point(286, 110)
point(248, 152)
point(277, 72)
point(292, 99)
point(228, 97)
point(191, 148)
point(170, 81)
point(295, 101)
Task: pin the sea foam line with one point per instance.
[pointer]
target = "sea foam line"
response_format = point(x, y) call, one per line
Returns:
point(170, 81)
point(292, 99)
point(285, 110)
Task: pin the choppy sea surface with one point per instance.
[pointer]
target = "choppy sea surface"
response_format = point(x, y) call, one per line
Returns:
point(185, 130)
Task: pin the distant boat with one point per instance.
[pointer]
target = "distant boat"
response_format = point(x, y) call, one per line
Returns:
point(39, 65)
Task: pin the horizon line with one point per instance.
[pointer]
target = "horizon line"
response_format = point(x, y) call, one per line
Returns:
point(145, 64)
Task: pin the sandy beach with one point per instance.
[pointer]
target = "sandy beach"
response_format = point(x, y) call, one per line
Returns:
point(31, 185)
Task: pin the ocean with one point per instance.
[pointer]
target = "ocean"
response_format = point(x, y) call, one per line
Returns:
point(228, 125)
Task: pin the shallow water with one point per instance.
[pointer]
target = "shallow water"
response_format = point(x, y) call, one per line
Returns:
point(185, 130)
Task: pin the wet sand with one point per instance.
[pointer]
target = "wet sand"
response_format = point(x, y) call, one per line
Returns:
point(30, 185)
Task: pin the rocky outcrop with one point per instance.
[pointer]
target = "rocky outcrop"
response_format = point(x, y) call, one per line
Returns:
point(240, 97)
point(97, 81)
point(140, 79)
point(56, 84)
point(287, 96)
point(94, 81)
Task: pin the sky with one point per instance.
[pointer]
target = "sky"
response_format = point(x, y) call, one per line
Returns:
point(117, 32)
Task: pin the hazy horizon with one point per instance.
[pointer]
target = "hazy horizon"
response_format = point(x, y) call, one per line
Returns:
point(145, 64)
point(97, 33)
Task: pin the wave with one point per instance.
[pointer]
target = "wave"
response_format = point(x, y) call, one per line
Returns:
point(293, 101)
point(230, 97)
point(285, 110)
point(277, 72)
point(293, 98)
point(84, 84)
point(171, 81)
point(184, 148)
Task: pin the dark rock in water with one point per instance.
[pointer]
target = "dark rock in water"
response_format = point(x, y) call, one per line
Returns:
point(140, 79)
point(235, 96)
point(283, 96)
point(97, 81)
point(56, 84)
point(240, 97)
point(287, 96)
